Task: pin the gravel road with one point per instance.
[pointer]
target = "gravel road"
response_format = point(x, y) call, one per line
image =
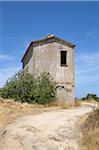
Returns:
point(53, 130)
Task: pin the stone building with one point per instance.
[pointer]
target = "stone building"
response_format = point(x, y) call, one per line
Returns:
point(56, 56)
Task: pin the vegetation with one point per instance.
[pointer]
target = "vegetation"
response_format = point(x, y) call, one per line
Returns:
point(0, 92)
point(65, 106)
point(91, 96)
point(77, 102)
point(24, 87)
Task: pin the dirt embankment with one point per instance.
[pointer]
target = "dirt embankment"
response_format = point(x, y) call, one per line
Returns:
point(90, 130)
point(50, 128)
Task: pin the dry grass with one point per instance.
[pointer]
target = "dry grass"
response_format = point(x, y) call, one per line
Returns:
point(77, 103)
point(90, 130)
point(11, 110)
point(65, 106)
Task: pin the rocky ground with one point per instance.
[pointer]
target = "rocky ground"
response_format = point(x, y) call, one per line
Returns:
point(45, 130)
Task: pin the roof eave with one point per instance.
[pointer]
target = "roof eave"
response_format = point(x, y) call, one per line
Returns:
point(43, 40)
point(26, 51)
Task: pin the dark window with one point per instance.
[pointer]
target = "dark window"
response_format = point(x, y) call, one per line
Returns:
point(63, 58)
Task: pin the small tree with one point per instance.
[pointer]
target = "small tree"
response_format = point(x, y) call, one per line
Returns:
point(25, 88)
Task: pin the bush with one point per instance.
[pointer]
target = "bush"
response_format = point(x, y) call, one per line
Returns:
point(46, 89)
point(90, 97)
point(24, 87)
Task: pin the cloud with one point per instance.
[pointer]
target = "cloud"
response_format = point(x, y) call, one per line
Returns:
point(6, 73)
point(87, 61)
point(87, 79)
point(91, 33)
point(89, 58)
point(87, 72)
point(6, 57)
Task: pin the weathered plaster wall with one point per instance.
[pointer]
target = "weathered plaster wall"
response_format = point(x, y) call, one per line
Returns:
point(47, 58)
point(28, 60)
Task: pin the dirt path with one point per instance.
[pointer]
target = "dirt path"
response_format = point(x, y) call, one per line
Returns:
point(54, 130)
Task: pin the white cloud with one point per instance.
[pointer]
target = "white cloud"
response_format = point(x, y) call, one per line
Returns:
point(87, 70)
point(88, 58)
point(91, 33)
point(6, 73)
point(87, 79)
point(6, 57)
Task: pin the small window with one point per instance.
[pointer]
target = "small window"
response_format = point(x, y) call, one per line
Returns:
point(63, 58)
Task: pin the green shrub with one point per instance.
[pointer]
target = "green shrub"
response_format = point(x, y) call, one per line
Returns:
point(46, 89)
point(24, 87)
point(90, 97)
point(0, 92)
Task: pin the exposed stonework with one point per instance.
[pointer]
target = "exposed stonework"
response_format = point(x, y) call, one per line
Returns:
point(45, 55)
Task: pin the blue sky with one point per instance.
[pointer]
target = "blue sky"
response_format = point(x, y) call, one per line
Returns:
point(77, 22)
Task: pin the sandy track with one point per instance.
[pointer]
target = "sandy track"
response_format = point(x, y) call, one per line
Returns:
point(54, 130)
